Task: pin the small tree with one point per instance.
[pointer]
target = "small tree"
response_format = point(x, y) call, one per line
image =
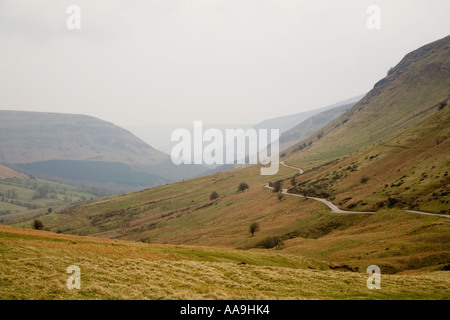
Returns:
point(276, 186)
point(50, 210)
point(38, 225)
point(214, 195)
point(242, 187)
point(293, 182)
point(254, 227)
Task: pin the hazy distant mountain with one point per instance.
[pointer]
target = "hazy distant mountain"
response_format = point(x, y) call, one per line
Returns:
point(285, 123)
point(158, 135)
point(39, 136)
point(79, 144)
point(310, 125)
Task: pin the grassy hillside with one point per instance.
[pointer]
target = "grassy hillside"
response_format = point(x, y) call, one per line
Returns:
point(112, 269)
point(409, 170)
point(8, 173)
point(137, 216)
point(182, 213)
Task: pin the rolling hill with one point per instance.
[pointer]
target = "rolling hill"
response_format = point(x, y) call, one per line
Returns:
point(38, 136)
point(71, 149)
point(23, 197)
point(8, 173)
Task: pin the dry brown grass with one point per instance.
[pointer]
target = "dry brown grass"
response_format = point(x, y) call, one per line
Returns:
point(7, 173)
point(33, 266)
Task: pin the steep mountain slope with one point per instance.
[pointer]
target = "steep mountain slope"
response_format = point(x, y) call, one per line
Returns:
point(401, 129)
point(285, 123)
point(182, 213)
point(311, 125)
point(413, 90)
point(409, 170)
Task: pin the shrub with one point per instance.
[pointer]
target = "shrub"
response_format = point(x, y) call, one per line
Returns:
point(38, 225)
point(364, 179)
point(242, 187)
point(214, 195)
point(352, 205)
point(392, 202)
point(254, 227)
point(280, 197)
point(270, 242)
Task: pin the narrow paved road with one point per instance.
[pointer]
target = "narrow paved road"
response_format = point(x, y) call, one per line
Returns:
point(335, 209)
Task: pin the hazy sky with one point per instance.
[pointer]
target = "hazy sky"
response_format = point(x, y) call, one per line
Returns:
point(219, 61)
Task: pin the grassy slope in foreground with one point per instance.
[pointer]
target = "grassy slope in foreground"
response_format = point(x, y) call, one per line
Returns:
point(33, 266)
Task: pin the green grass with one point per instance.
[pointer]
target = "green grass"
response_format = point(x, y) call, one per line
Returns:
point(24, 204)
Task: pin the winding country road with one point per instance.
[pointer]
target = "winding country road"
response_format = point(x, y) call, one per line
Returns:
point(335, 209)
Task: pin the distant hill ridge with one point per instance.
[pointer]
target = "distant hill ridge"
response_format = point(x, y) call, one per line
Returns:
point(67, 147)
point(40, 136)
point(285, 123)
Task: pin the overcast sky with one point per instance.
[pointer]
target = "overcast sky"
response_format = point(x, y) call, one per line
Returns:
point(220, 61)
